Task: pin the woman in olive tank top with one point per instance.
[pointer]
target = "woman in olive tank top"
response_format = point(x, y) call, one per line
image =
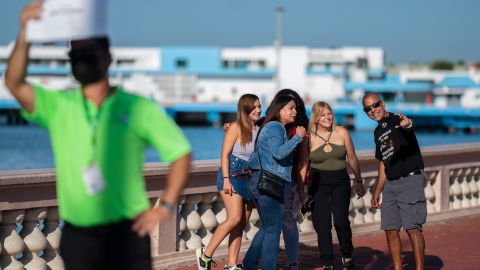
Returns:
point(331, 149)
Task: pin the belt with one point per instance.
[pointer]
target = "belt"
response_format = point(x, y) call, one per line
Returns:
point(412, 173)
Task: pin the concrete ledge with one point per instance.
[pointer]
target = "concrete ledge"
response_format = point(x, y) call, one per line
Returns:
point(469, 151)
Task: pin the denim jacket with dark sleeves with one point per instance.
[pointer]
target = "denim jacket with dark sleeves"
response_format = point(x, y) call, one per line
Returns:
point(275, 150)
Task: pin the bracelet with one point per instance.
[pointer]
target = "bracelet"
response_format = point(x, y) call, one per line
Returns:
point(170, 207)
point(226, 177)
point(359, 180)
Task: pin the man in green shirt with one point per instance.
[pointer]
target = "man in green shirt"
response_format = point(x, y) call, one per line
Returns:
point(99, 135)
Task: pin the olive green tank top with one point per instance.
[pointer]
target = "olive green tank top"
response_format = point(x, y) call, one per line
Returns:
point(332, 161)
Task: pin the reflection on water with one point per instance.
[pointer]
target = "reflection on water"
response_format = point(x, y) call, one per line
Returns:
point(28, 147)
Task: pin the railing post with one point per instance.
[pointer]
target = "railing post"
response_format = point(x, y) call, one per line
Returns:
point(53, 234)
point(164, 240)
point(12, 242)
point(444, 195)
point(34, 239)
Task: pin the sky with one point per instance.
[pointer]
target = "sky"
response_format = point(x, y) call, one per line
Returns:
point(418, 31)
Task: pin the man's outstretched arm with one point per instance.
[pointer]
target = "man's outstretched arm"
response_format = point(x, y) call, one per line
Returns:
point(18, 61)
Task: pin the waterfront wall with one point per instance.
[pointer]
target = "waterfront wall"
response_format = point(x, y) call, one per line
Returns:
point(30, 227)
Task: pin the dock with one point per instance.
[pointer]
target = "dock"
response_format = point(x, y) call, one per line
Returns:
point(346, 114)
point(351, 115)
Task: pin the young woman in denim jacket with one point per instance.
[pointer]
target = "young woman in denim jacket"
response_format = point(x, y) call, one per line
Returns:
point(238, 144)
point(294, 192)
point(275, 151)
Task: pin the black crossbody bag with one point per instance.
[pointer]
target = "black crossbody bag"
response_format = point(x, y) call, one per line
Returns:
point(270, 184)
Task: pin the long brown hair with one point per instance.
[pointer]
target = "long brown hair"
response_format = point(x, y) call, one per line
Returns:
point(246, 104)
point(273, 112)
point(317, 111)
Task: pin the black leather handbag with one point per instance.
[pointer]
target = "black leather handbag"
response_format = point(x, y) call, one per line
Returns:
point(270, 184)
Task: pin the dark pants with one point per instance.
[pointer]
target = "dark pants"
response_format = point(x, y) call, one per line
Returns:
point(332, 199)
point(265, 243)
point(113, 246)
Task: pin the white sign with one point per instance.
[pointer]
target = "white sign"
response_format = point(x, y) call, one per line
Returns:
point(63, 20)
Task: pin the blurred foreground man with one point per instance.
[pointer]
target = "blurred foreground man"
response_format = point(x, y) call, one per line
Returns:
point(400, 179)
point(99, 135)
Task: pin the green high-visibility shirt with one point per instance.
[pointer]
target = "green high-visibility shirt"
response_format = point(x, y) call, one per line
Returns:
point(124, 125)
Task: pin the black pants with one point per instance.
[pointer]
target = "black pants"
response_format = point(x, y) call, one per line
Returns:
point(332, 199)
point(113, 246)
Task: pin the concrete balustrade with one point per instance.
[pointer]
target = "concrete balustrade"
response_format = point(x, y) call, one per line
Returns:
point(30, 227)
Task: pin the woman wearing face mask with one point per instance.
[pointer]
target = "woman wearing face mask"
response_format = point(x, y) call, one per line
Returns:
point(331, 149)
point(294, 192)
point(238, 144)
point(274, 150)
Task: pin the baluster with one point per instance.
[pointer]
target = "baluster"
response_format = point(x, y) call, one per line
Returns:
point(53, 234)
point(12, 242)
point(220, 214)
point(351, 213)
point(207, 216)
point(466, 198)
point(372, 214)
point(34, 239)
point(371, 186)
point(306, 223)
point(473, 189)
point(429, 191)
point(357, 205)
point(455, 190)
point(451, 198)
point(253, 224)
point(182, 225)
point(367, 199)
point(477, 181)
point(219, 210)
point(465, 190)
point(193, 221)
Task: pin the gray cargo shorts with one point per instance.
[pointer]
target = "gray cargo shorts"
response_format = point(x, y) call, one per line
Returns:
point(403, 203)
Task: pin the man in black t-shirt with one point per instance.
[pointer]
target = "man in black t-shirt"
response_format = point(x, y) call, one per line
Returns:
point(400, 180)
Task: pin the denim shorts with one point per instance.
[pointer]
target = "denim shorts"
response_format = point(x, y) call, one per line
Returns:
point(403, 203)
point(240, 185)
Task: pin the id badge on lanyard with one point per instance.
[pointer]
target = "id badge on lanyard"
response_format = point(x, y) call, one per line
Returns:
point(92, 175)
point(93, 179)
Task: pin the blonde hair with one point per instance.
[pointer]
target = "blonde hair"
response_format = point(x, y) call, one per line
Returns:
point(317, 111)
point(246, 104)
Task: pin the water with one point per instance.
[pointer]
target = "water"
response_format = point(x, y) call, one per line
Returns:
point(28, 147)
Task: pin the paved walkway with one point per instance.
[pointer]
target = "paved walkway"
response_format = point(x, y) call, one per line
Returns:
point(453, 244)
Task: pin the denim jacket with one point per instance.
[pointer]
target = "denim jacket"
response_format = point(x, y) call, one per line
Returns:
point(275, 150)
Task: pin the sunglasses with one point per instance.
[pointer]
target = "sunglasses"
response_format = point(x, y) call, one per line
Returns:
point(375, 105)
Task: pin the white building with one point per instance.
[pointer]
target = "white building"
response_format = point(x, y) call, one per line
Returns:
point(213, 74)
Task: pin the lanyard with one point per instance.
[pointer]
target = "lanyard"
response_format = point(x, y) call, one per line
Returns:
point(93, 123)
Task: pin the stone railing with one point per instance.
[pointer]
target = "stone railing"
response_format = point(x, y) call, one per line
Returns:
point(30, 227)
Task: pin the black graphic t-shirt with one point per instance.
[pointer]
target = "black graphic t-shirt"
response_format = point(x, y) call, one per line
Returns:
point(397, 148)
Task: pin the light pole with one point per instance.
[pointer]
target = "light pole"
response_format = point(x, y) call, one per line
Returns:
point(278, 45)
